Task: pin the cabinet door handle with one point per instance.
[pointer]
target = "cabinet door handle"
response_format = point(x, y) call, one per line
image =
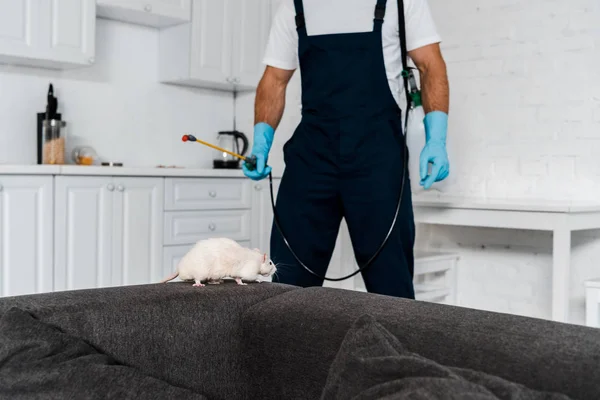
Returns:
point(1, 188)
point(212, 194)
point(120, 188)
point(258, 187)
point(147, 8)
point(110, 187)
point(212, 226)
point(236, 80)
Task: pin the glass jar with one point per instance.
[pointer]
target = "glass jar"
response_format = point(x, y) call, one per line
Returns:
point(84, 156)
point(54, 133)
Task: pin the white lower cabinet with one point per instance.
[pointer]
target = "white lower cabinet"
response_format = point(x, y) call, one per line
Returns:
point(108, 231)
point(26, 214)
point(138, 228)
point(69, 232)
point(262, 214)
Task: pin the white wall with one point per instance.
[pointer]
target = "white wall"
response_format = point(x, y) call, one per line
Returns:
point(117, 106)
point(525, 93)
point(525, 114)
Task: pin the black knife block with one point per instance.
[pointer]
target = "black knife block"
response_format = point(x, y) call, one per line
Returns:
point(40, 139)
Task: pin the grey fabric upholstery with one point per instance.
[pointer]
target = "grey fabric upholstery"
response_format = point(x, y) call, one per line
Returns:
point(187, 336)
point(38, 361)
point(269, 341)
point(293, 339)
point(372, 364)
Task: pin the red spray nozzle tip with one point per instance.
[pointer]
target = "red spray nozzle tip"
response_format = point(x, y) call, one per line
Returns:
point(185, 138)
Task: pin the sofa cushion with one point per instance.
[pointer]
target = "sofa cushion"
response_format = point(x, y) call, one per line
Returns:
point(373, 364)
point(38, 360)
point(292, 340)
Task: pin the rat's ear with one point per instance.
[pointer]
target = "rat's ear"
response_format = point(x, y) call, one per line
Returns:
point(265, 257)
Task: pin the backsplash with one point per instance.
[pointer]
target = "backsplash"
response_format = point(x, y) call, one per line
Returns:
point(117, 106)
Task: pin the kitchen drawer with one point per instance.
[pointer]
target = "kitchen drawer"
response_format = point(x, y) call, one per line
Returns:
point(172, 255)
point(207, 194)
point(185, 227)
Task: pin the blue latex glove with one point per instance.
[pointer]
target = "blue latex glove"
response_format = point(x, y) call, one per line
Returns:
point(263, 139)
point(436, 127)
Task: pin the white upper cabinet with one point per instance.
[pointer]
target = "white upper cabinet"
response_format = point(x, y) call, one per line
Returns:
point(155, 13)
point(221, 48)
point(47, 33)
point(211, 37)
point(251, 33)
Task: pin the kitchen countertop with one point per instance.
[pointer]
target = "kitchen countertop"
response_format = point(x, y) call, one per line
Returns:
point(120, 171)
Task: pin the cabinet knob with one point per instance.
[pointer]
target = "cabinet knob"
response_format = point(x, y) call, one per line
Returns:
point(258, 187)
point(212, 226)
point(236, 80)
point(212, 194)
point(91, 60)
point(120, 188)
point(148, 8)
point(229, 79)
point(110, 187)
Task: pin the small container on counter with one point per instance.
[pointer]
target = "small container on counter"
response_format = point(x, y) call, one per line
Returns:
point(84, 156)
point(54, 136)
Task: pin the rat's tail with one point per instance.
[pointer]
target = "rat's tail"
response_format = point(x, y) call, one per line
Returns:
point(175, 275)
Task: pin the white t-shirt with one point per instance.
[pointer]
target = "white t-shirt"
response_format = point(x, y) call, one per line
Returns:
point(346, 16)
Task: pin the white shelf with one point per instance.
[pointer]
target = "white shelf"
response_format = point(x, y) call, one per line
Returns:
point(426, 292)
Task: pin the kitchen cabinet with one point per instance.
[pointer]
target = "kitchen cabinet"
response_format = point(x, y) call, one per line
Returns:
point(262, 214)
point(252, 22)
point(221, 48)
point(108, 231)
point(52, 34)
point(201, 208)
point(137, 230)
point(154, 13)
point(26, 220)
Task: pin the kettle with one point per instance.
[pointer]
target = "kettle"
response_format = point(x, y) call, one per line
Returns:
point(229, 140)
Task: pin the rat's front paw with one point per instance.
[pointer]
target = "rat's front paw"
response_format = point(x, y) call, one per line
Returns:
point(239, 282)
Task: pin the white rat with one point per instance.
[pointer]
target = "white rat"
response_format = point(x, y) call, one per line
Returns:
point(212, 260)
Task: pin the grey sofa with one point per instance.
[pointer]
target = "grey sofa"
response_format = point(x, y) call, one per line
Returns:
point(269, 341)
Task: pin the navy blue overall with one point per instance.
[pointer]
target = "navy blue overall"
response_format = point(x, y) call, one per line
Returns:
point(345, 160)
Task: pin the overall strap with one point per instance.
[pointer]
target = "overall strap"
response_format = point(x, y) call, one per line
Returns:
point(379, 15)
point(300, 22)
point(404, 55)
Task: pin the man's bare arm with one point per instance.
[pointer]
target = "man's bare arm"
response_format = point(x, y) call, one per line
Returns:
point(434, 79)
point(270, 96)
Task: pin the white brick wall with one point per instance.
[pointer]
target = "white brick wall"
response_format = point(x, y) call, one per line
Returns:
point(525, 113)
point(529, 74)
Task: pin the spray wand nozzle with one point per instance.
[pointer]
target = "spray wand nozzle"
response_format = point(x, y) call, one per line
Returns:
point(250, 162)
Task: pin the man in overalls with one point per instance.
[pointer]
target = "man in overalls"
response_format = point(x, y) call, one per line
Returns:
point(346, 157)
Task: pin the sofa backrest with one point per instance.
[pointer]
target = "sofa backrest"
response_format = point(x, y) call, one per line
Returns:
point(187, 336)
